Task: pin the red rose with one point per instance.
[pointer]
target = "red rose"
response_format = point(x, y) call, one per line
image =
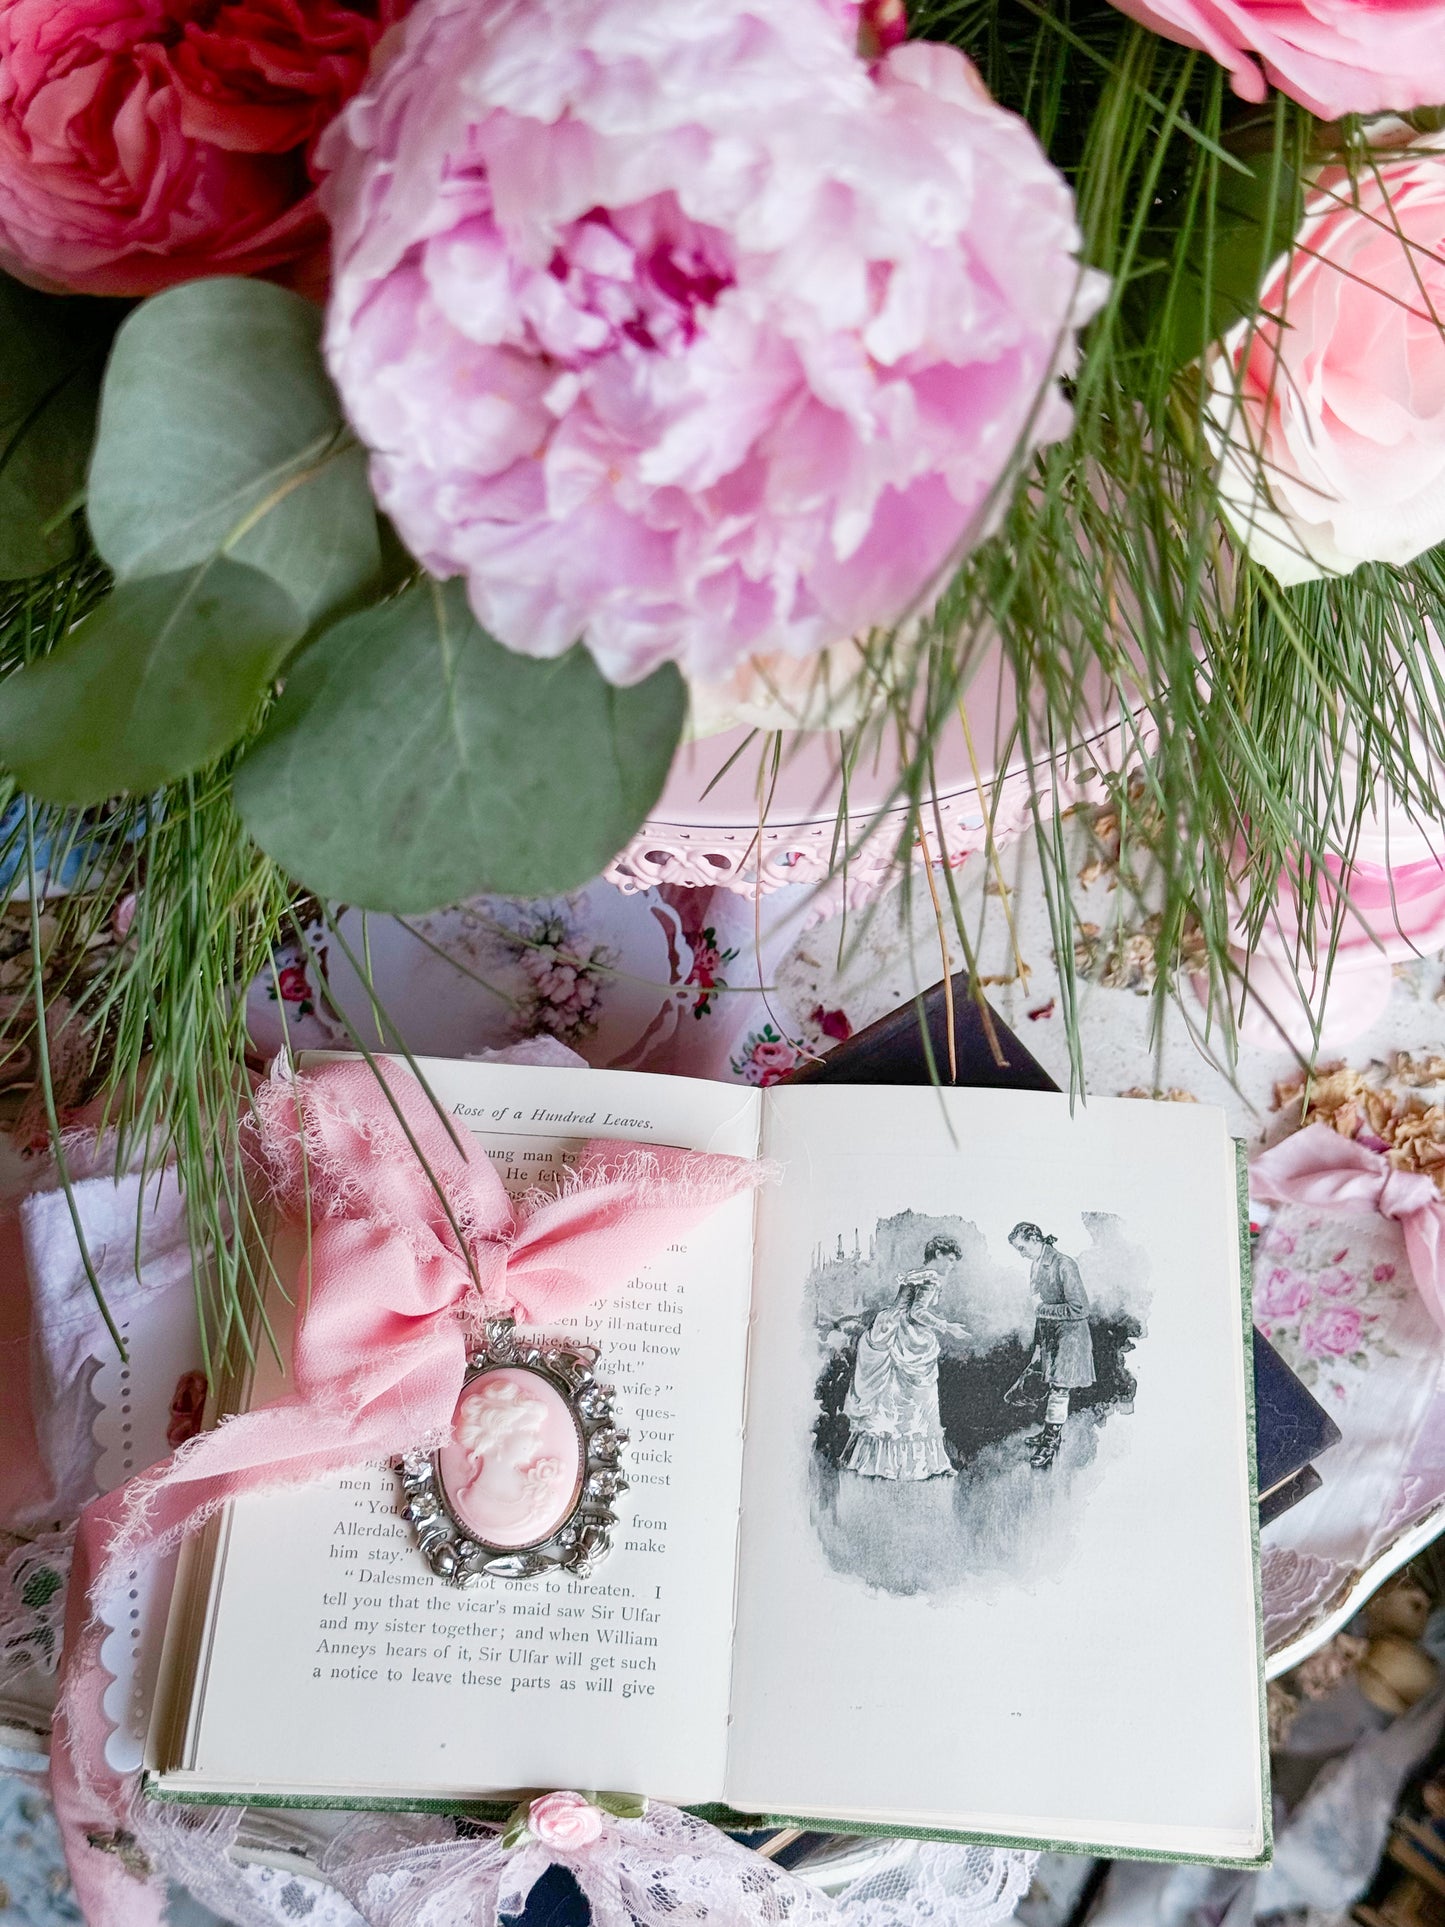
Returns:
point(294, 985)
point(144, 142)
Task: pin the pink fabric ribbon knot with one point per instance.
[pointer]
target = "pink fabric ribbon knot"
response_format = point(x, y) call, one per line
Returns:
point(1322, 1170)
point(406, 1258)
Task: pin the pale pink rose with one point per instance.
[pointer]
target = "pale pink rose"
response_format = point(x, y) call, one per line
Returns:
point(1337, 1284)
point(1284, 1293)
point(565, 1821)
point(685, 330)
point(1329, 407)
point(1333, 1333)
point(1333, 56)
point(144, 142)
point(1279, 1244)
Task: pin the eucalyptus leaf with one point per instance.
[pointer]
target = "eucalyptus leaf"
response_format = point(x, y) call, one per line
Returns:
point(52, 350)
point(412, 761)
point(220, 433)
point(157, 681)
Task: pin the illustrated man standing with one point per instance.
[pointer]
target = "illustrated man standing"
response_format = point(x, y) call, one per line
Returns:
point(1062, 1360)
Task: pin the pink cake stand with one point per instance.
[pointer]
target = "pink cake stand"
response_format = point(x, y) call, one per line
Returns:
point(725, 818)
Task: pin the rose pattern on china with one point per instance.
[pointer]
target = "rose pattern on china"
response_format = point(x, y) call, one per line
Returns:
point(708, 962)
point(565, 1821)
point(1332, 56)
point(743, 366)
point(765, 1057)
point(289, 980)
point(1327, 409)
point(145, 142)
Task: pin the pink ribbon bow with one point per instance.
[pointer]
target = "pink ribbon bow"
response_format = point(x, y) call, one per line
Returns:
point(1319, 1168)
point(403, 1265)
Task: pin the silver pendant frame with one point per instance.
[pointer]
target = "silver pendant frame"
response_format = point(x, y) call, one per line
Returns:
point(584, 1538)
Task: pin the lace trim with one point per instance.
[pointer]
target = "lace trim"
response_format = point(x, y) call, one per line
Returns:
point(33, 1582)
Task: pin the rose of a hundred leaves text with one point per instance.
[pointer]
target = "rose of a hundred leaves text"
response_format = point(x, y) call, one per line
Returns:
point(683, 329)
point(1329, 407)
point(1333, 56)
point(145, 142)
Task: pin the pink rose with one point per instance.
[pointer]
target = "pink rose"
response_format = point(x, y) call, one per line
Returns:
point(1279, 1244)
point(1328, 408)
point(1284, 1293)
point(1336, 1284)
point(1333, 56)
point(565, 1821)
point(293, 983)
point(1331, 1334)
point(144, 142)
point(1382, 1274)
point(774, 1060)
point(682, 328)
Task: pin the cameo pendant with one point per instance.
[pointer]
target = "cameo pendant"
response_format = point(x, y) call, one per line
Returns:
point(525, 1483)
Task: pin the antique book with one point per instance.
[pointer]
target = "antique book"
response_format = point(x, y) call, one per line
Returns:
point(1291, 1427)
point(941, 1506)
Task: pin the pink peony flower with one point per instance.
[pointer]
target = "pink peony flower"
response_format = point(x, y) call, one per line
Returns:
point(1329, 409)
point(1284, 1293)
point(565, 1821)
point(1332, 1334)
point(144, 142)
point(1333, 56)
point(683, 329)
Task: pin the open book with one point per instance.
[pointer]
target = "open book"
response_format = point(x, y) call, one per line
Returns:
point(925, 1528)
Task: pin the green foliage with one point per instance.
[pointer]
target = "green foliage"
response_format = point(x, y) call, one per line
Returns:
point(220, 434)
point(52, 349)
point(413, 761)
point(157, 681)
point(622, 1806)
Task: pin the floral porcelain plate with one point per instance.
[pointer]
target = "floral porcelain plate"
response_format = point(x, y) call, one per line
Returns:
point(603, 975)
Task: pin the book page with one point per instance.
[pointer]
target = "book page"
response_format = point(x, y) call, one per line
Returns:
point(997, 1562)
point(333, 1656)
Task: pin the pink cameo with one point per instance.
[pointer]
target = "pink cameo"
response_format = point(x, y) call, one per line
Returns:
point(513, 1467)
point(564, 1820)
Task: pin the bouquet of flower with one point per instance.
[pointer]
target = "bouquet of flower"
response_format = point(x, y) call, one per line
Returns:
point(403, 400)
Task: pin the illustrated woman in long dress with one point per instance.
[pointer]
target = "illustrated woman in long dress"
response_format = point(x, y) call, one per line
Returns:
point(1062, 1359)
point(892, 1403)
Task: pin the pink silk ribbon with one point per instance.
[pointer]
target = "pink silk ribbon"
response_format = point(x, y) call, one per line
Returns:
point(392, 1294)
point(1320, 1169)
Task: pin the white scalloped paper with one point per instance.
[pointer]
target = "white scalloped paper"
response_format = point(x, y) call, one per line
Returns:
point(162, 1339)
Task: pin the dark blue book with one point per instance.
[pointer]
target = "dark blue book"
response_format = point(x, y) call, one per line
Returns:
point(1291, 1427)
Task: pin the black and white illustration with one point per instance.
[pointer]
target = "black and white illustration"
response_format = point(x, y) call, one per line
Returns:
point(963, 1390)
